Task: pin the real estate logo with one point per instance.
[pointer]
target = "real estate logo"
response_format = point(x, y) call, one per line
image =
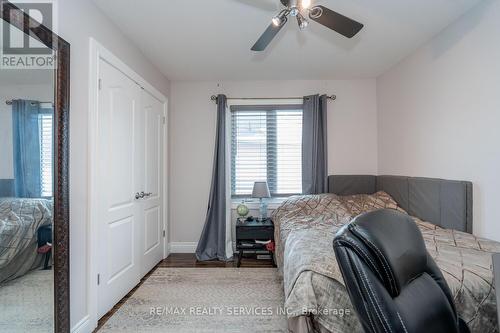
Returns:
point(24, 50)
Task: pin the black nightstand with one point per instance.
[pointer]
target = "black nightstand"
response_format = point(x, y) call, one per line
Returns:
point(248, 232)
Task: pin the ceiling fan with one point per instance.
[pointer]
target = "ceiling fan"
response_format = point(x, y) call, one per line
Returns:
point(296, 8)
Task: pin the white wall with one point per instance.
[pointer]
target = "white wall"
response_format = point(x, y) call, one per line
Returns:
point(43, 93)
point(439, 112)
point(352, 130)
point(78, 21)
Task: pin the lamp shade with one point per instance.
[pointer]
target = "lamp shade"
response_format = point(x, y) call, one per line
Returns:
point(260, 190)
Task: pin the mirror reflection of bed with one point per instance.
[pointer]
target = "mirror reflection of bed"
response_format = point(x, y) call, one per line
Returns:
point(26, 206)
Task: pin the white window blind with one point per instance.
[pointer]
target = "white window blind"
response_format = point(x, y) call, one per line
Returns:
point(46, 155)
point(266, 145)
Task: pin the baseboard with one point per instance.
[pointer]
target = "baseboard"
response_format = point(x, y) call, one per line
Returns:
point(183, 247)
point(83, 326)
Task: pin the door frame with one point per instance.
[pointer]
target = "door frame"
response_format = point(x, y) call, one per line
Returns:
point(97, 53)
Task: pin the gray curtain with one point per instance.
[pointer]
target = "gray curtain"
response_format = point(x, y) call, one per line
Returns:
point(314, 145)
point(212, 244)
point(26, 142)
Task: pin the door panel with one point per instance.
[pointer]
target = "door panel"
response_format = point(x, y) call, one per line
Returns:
point(120, 248)
point(153, 180)
point(152, 229)
point(118, 132)
point(154, 133)
point(121, 135)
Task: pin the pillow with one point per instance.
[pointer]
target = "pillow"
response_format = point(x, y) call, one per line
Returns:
point(362, 203)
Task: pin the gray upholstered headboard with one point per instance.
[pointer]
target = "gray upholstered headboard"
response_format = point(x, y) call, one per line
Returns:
point(446, 203)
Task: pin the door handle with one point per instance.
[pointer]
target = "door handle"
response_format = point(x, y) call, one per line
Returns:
point(142, 195)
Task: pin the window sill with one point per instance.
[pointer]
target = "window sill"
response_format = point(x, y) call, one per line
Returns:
point(251, 203)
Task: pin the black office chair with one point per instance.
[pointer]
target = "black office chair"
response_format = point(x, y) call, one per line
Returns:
point(496, 265)
point(392, 281)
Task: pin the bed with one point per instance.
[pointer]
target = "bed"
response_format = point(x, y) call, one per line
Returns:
point(20, 220)
point(315, 297)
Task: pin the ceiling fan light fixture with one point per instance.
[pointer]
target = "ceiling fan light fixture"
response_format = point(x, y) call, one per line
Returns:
point(280, 19)
point(302, 22)
point(339, 23)
point(315, 12)
point(276, 21)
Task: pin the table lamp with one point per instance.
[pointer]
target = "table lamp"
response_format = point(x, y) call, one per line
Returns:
point(261, 191)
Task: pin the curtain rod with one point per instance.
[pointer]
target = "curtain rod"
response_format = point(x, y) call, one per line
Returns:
point(9, 102)
point(214, 98)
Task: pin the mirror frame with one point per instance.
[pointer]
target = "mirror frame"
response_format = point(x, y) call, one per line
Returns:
point(23, 22)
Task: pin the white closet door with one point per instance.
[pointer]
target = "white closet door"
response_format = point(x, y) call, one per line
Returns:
point(151, 245)
point(120, 139)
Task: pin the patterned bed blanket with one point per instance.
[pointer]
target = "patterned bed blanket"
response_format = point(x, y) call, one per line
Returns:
point(19, 221)
point(304, 231)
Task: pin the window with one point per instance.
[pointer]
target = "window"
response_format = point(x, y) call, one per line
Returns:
point(45, 132)
point(266, 144)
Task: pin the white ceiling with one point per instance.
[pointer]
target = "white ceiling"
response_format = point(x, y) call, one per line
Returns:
point(211, 39)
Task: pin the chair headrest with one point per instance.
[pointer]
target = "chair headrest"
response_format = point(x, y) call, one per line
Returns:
point(395, 243)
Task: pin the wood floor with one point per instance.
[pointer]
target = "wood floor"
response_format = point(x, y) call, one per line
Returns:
point(189, 260)
point(185, 260)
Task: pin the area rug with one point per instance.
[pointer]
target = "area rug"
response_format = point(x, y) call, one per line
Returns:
point(27, 303)
point(183, 300)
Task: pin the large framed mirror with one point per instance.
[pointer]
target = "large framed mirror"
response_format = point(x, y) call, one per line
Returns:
point(34, 183)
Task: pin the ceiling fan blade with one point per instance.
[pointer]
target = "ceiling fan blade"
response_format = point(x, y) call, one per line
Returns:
point(335, 21)
point(267, 37)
